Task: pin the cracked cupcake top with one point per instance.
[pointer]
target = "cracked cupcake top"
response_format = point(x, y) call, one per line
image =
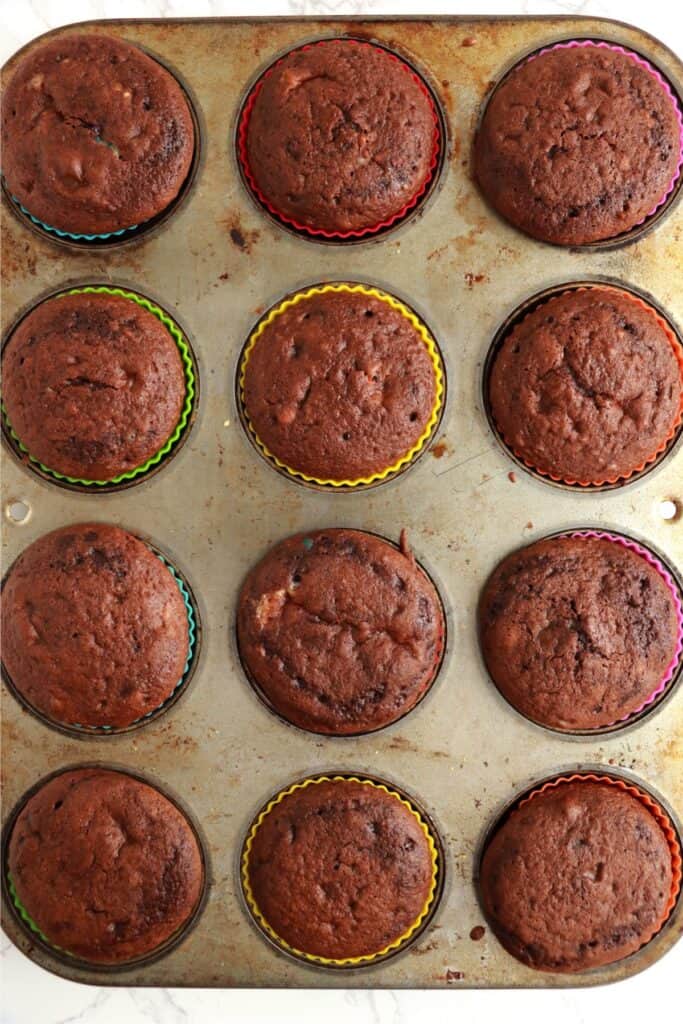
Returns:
point(94, 627)
point(578, 877)
point(93, 384)
point(96, 136)
point(577, 144)
point(340, 869)
point(340, 631)
point(339, 386)
point(587, 386)
point(577, 632)
point(104, 865)
point(341, 136)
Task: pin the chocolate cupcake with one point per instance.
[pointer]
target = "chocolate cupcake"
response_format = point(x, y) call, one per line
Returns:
point(580, 631)
point(579, 143)
point(339, 138)
point(96, 136)
point(588, 388)
point(97, 385)
point(341, 385)
point(339, 871)
point(104, 866)
point(340, 632)
point(583, 873)
point(95, 628)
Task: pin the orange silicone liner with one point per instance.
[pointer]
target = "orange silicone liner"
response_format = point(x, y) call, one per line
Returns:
point(657, 812)
point(678, 354)
point(354, 961)
point(432, 351)
point(243, 131)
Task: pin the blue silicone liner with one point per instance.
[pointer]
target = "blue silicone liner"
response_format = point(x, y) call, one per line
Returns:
point(69, 234)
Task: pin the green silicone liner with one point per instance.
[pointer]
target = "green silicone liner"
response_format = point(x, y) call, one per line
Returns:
point(188, 367)
point(191, 636)
point(25, 916)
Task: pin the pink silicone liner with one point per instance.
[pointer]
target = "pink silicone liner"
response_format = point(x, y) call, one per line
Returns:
point(243, 128)
point(663, 85)
point(675, 596)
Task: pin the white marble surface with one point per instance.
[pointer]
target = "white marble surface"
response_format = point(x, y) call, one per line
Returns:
point(32, 996)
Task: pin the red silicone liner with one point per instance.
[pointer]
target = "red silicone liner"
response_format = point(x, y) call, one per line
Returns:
point(675, 597)
point(664, 85)
point(657, 812)
point(243, 129)
point(677, 350)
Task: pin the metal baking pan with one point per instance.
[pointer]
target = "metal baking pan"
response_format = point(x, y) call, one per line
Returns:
point(216, 262)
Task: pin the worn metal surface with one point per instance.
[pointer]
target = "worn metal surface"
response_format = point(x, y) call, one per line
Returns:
point(216, 508)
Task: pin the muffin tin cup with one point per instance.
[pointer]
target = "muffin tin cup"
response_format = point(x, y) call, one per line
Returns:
point(321, 234)
point(674, 668)
point(600, 481)
point(27, 923)
point(193, 632)
point(432, 424)
point(398, 944)
point(110, 239)
point(186, 414)
point(627, 786)
point(438, 664)
point(663, 84)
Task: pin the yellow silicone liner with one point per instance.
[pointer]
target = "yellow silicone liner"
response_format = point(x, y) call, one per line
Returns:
point(354, 961)
point(430, 345)
point(188, 370)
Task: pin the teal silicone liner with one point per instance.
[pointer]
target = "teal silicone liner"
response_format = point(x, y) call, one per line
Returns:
point(70, 234)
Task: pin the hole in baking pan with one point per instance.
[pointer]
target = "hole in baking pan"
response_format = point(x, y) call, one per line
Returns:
point(261, 926)
point(373, 479)
point(35, 938)
point(650, 222)
point(119, 239)
point(674, 670)
point(170, 449)
point(669, 509)
point(99, 732)
point(414, 209)
point(436, 674)
point(18, 511)
point(616, 775)
point(515, 318)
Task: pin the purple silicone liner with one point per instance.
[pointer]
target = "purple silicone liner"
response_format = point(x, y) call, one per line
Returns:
point(675, 596)
point(663, 85)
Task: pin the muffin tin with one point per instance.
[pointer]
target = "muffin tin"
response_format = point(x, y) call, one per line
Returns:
point(219, 261)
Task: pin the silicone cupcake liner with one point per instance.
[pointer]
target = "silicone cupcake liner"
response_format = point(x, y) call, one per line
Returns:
point(28, 920)
point(185, 413)
point(657, 812)
point(358, 961)
point(162, 948)
point(673, 589)
point(432, 350)
point(664, 85)
point(242, 131)
point(677, 350)
point(69, 234)
point(108, 730)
